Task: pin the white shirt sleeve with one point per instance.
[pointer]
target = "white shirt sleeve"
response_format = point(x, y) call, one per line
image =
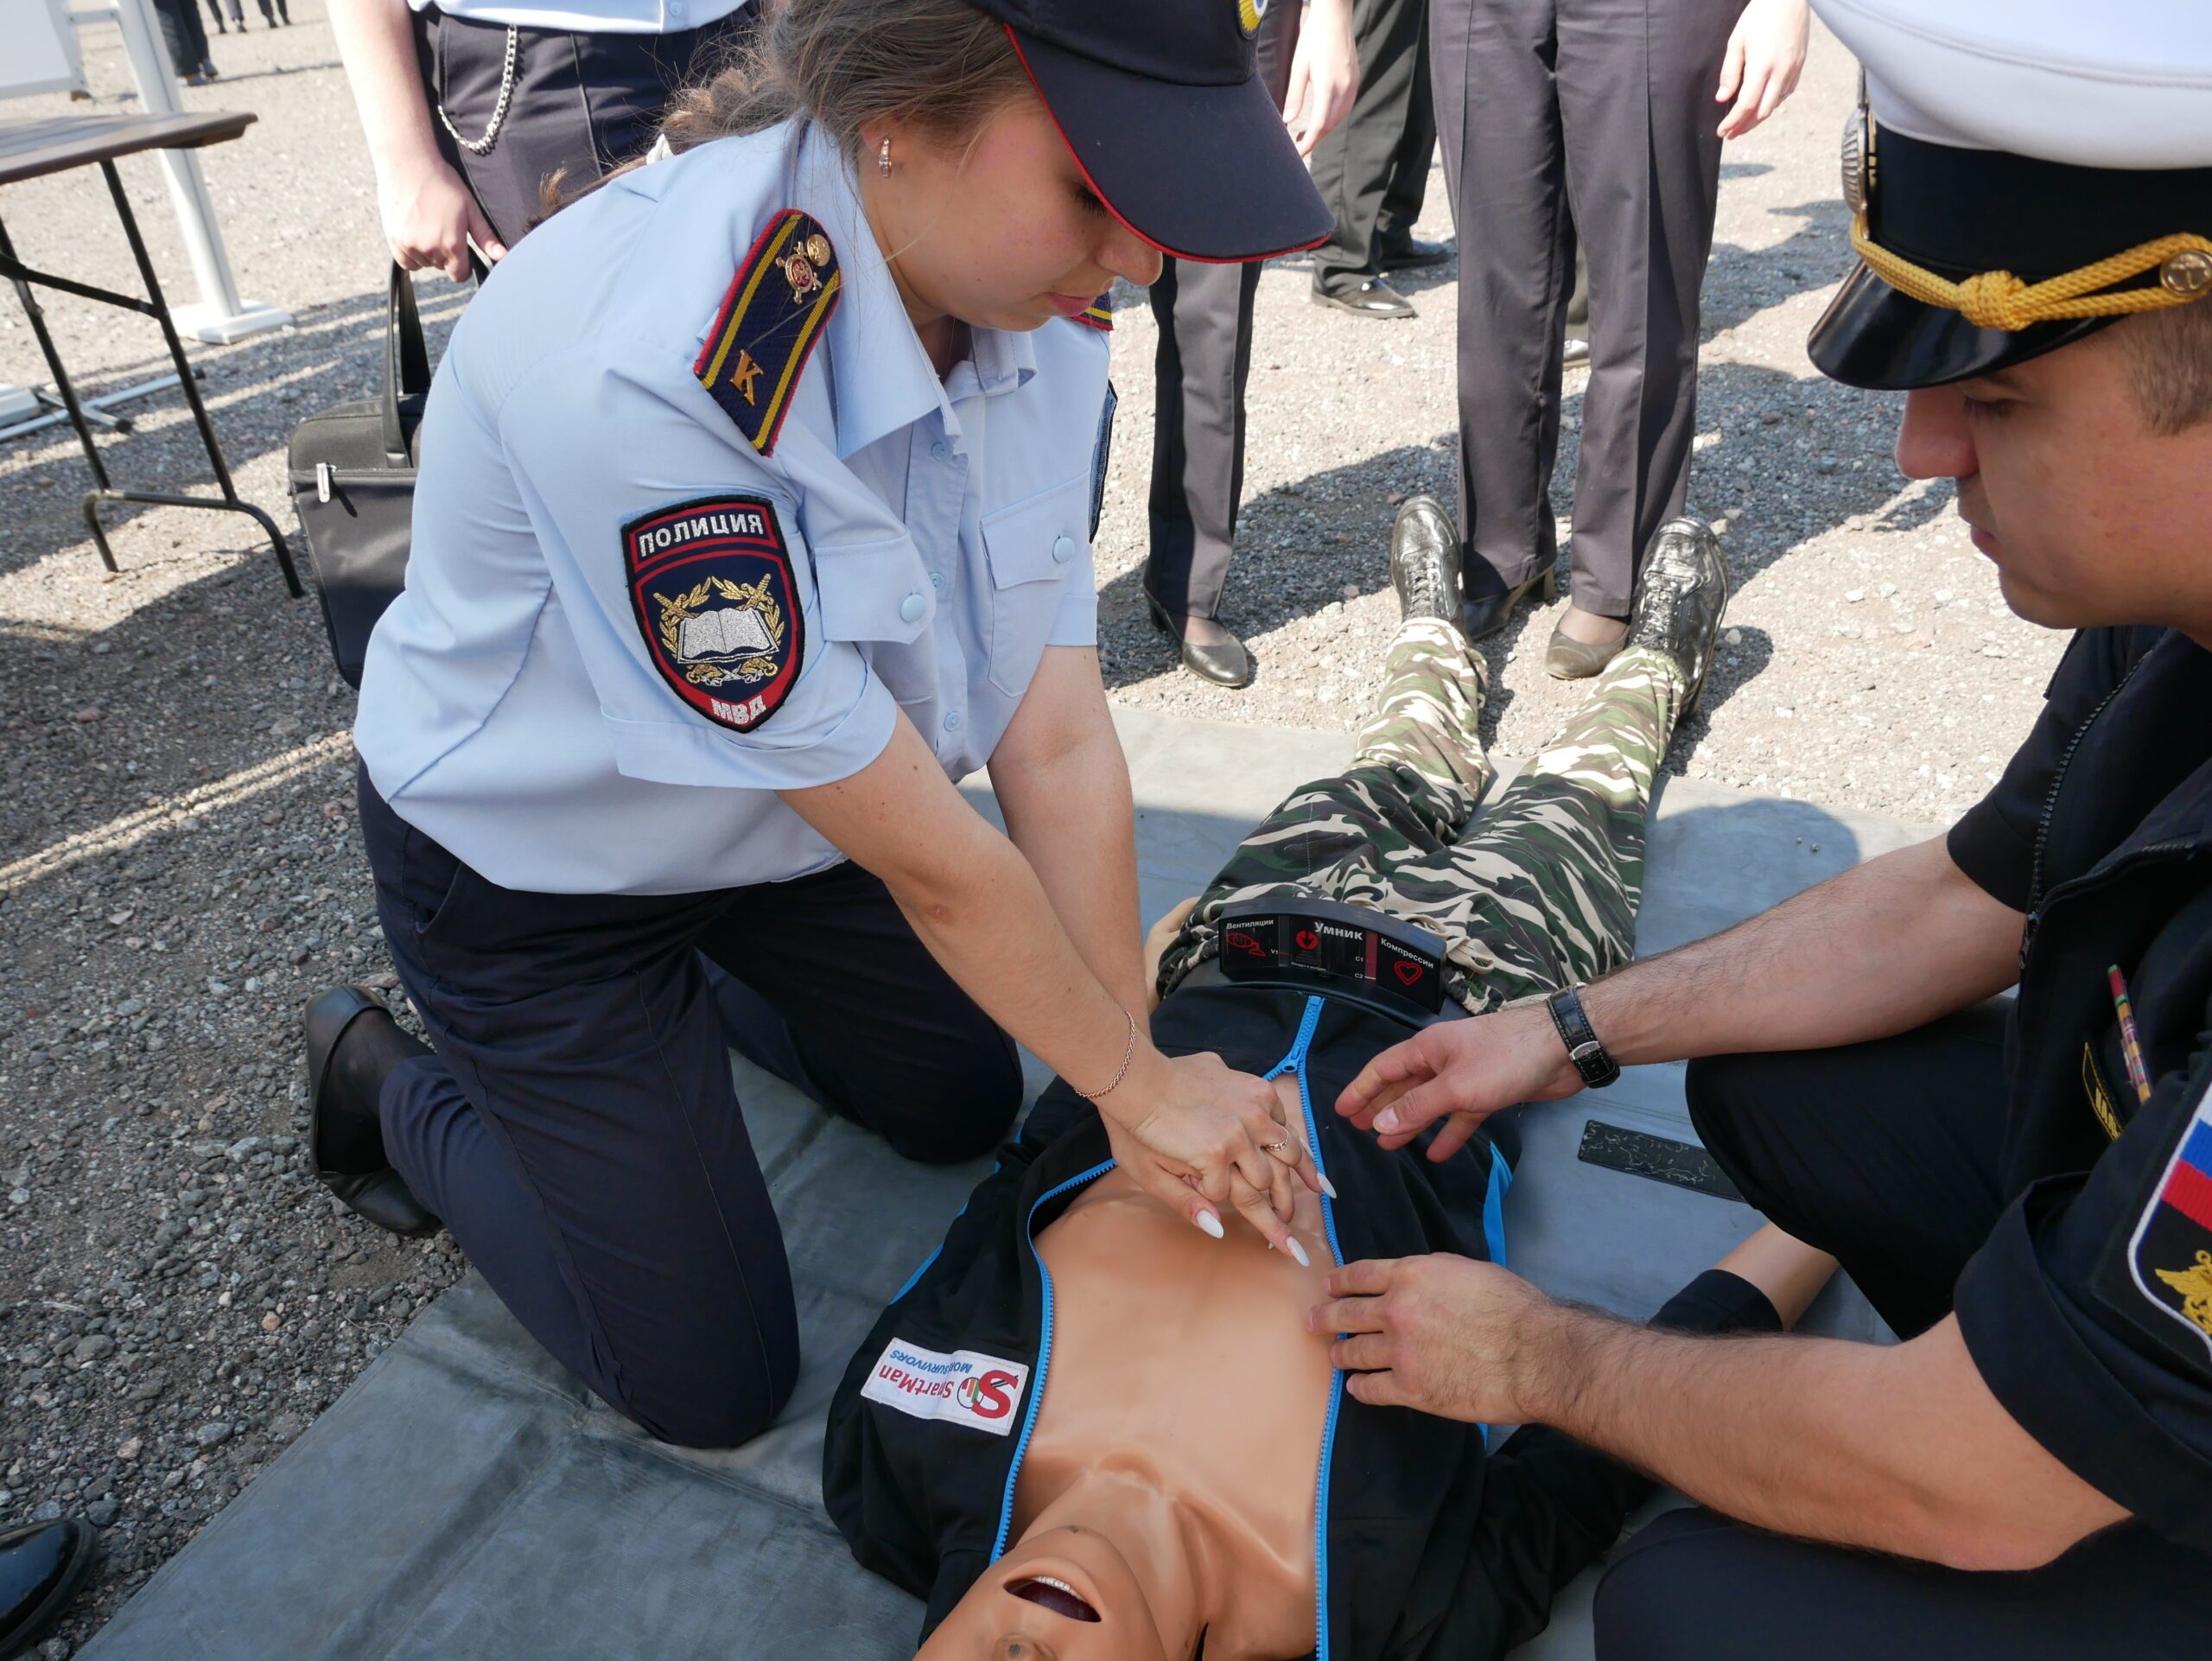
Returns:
point(1076, 622)
point(711, 667)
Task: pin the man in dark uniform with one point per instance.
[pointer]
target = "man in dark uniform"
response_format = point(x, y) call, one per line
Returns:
point(2025, 1193)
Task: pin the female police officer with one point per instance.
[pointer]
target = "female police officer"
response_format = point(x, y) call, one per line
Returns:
point(753, 509)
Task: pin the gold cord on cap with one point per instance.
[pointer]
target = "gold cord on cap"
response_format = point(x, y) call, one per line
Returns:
point(2000, 300)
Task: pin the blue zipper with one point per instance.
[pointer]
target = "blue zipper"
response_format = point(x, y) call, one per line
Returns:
point(1044, 1348)
point(1293, 1062)
point(1296, 1062)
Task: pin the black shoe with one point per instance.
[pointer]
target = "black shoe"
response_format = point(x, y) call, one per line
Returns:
point(1681, 595)
point(1425, 560)
point(353, 1043)
point(1415, 255)
point(40, 1569)
point(1373, 298)
point(1481, 616)
point(1224, 662)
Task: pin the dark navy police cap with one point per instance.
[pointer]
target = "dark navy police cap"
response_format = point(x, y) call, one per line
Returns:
point(1161, 104)
point(2019, 175)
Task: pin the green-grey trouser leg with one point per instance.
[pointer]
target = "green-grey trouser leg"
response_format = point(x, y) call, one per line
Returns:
point(1541, 893)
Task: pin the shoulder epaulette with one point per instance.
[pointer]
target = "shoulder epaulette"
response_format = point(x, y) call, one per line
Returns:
point(773, 315)
point(1099, 314)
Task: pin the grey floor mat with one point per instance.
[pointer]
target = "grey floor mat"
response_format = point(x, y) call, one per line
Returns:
point(466, 1498)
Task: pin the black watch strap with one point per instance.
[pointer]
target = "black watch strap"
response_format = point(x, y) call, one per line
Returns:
point(1597, 1067)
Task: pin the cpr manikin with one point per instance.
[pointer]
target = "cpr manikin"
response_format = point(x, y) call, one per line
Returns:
point(1084, 1431)
point(1169, 1488)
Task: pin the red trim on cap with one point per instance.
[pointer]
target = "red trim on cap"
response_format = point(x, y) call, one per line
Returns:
point(1121, 219)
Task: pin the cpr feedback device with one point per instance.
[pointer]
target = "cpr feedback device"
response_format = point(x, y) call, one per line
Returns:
point(1348, 951)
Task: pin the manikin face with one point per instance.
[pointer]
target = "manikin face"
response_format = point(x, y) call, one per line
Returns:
point(2090, 518)
point(1060, 1594)
point(1001, 233)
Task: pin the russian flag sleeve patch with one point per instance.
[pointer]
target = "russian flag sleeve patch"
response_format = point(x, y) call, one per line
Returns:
point(2164, 1278)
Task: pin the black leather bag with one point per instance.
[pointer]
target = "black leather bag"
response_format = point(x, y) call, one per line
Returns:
point(353, 483)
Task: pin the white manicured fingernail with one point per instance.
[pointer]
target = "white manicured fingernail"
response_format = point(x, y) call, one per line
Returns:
point(1210, 1223)
point(1298, 1252)
point(1387, 1120)
point(1327, 1186)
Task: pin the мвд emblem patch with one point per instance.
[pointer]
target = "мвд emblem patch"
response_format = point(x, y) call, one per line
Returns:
point(2167, 1265)
point(711, 584)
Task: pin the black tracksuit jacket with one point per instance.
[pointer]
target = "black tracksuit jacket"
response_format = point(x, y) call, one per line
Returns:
point(1429, 1549)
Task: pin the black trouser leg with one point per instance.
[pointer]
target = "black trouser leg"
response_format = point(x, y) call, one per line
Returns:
point(1362, 168)
point(1204, 357)
point(1205, 315)
point(1696, 1586)
point(1883, 1154)
point(582, 104)
point(184, 33)
point(1403, 197)
point(1551, 1505)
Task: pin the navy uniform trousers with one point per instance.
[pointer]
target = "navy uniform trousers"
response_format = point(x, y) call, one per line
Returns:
point(578, 1129)
point(1887, 1157)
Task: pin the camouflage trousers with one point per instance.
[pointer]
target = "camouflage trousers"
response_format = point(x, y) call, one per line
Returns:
point(1540, 893)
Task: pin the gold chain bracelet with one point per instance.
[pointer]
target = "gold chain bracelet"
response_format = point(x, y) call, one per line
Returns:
point(1128, 1054)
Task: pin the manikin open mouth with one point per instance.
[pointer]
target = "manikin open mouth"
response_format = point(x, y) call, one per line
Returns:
point(1049, 1592)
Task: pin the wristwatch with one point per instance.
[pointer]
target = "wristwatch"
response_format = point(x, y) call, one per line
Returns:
point(1597, 1067)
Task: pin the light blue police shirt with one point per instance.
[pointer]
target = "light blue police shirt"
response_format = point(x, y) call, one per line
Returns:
point(938, 534)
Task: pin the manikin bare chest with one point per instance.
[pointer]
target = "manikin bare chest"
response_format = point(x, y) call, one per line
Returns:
point(1185, 1362)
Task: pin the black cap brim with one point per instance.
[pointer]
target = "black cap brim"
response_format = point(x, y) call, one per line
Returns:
point(1204, 173)
point(1874, 337)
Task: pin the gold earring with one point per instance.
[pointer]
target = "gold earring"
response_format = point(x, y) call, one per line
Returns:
point(883, 158)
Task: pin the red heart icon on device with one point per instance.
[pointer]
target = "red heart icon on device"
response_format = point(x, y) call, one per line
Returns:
point(1307, 939)
point(1408, 973)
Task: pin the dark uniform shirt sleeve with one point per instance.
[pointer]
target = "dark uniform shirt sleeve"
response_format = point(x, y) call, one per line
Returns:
point(1994, 843)
point(2116, 1387)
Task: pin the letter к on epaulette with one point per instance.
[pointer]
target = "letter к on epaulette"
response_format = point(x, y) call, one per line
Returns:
point(772, 317)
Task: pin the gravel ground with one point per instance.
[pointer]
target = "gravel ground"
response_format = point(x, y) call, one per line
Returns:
point(178, 867)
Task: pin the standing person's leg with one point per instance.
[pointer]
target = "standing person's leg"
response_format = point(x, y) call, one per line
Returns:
point(1635, 79)
point(184, 36)
point(577, 1130)
point(1498, 113)
point(1204, 357)
point(1357, 165)
point(1408, 189)
point(825, 984)
point(215, 10)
